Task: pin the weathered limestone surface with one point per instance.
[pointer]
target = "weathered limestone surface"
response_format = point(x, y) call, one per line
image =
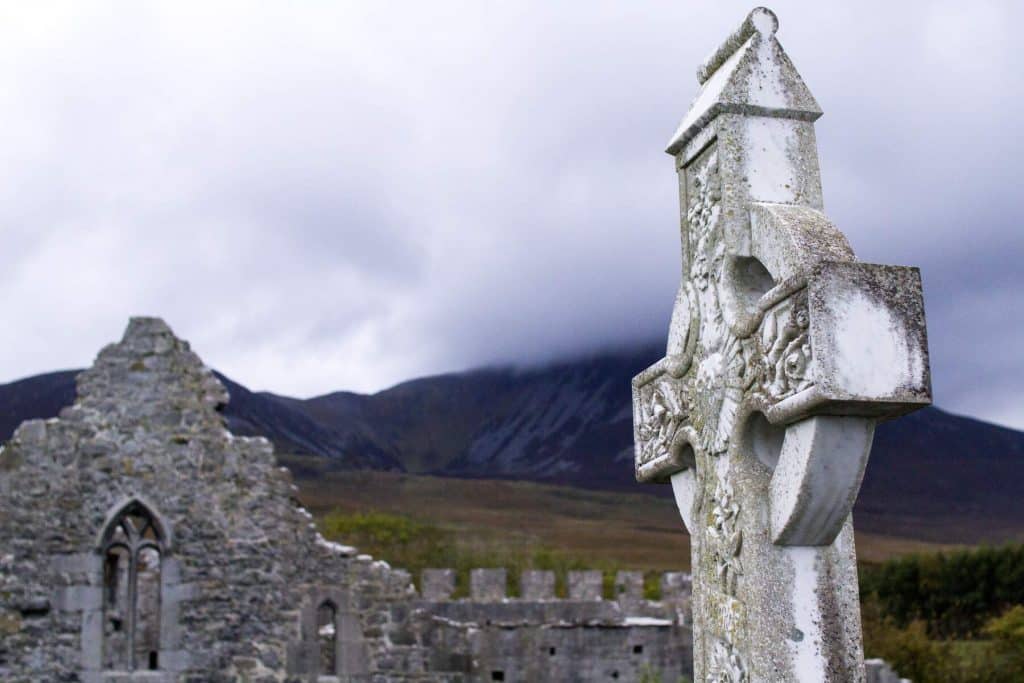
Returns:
point(585, 585)
point(783, 352)
point(437, 584)
point(629, 586)
point(537, 585)
point(488, 585)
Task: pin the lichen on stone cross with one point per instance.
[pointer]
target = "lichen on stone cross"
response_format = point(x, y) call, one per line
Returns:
point(783, 353)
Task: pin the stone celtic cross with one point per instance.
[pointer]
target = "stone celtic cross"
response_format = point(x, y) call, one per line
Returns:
point(783, 353)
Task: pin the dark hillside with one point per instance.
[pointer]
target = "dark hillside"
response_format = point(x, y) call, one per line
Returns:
point(34, 397)
point(932, 475)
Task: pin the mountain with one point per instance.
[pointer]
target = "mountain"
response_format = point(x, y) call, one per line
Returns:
point(41, 396)
point(932, 469)
point(292, 429)
point(931, 475)
point(567, 422)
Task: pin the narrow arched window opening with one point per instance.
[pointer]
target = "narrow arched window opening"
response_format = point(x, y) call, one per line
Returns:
point(327, 637)
point(133, 556)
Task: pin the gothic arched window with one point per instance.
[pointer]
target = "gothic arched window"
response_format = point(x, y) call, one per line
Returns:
point(327, 637)
point(132, 549)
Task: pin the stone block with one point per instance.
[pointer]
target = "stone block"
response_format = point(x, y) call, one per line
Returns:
point(536, 584)
point(78, 598)
point(629, 586)
point(488, 585)
point(353, 658)
point(585, 585)
point(867, 329)
point(76, 563)
point(175, 660)
point(399, 581)
point(437, 584)
point(181, 592)
point(879, 671)
point(676, 586)
point(31, 433)
point(10, 622)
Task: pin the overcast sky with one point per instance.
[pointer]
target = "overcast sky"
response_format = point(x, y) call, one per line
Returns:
point(328, 196)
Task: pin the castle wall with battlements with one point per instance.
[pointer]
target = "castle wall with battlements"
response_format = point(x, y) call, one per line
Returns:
point(537, 636)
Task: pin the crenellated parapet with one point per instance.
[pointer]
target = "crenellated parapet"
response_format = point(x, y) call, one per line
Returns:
point(491, 585)
point(543, 628)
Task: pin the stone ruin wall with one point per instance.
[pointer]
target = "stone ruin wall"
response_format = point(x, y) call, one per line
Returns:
point(539, 637)
point(243, 568)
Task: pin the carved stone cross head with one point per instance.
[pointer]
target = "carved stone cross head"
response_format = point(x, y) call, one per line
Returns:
point(783, 352)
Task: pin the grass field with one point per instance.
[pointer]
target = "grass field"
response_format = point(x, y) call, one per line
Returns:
point(637, 531)
point(416, 522)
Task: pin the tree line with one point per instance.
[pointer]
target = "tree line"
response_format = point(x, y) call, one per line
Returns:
point(952, 617)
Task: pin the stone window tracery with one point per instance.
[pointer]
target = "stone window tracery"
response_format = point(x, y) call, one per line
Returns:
point(133, 550)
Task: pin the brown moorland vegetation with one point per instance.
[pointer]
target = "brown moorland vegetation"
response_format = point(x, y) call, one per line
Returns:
point(637, 531)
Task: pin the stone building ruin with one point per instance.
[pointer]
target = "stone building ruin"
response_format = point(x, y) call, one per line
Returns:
point(538, 637)
point(141, 541)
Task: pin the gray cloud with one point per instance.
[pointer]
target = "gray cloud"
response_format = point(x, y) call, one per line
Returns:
point(326, 197)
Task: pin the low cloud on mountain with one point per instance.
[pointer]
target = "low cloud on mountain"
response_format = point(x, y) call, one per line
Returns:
point(326, 196)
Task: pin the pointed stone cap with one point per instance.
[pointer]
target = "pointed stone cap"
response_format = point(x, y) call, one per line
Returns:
point(749, 74)
point(151, 376)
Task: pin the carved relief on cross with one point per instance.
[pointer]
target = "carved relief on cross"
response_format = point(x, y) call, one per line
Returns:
point(783, 353)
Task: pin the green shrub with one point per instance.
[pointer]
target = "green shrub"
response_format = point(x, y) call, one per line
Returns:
point(997, 659)
point(1007, 640)
point(415, 545)
point(954, 593)
point(907, 648)
point(402, 541)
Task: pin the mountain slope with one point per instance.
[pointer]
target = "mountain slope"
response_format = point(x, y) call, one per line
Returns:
point(423, 423)
point(283, 421)
point(932, 475)
point(931, 468)
point(41, 396)
point(568, 422)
